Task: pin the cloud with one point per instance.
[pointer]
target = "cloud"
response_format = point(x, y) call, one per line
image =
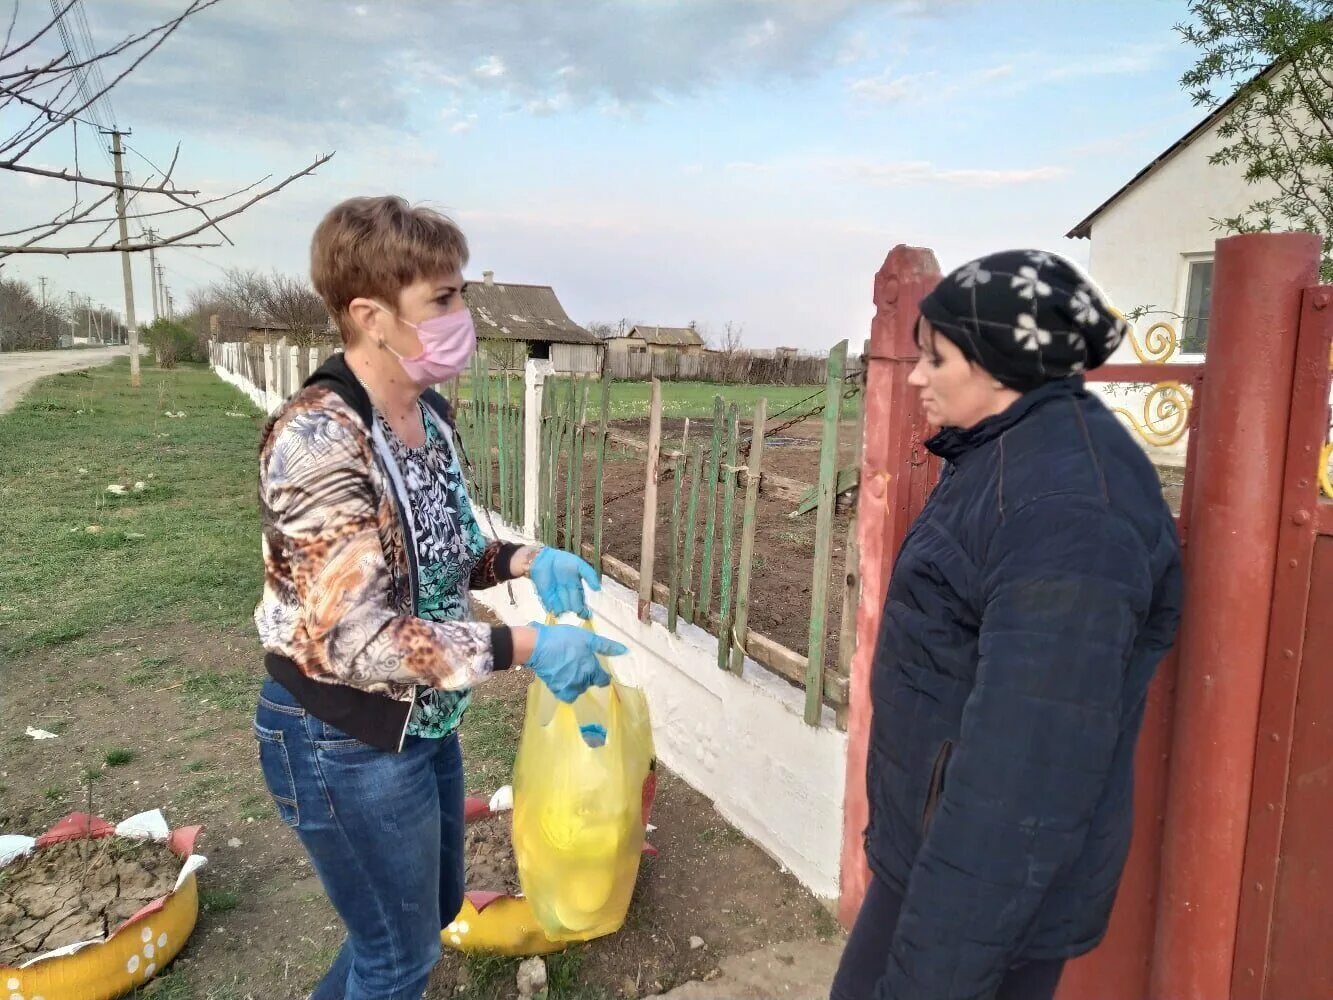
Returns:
point(265, 64)
point(888, 88)
point(490, 68)
point(465, 125)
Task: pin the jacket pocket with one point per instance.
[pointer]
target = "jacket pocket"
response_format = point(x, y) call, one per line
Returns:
point(936, 787)
point(276, 766)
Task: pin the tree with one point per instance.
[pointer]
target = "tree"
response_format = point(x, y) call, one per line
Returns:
point(1276, 58)
point(24, 325)
point(608, 329)
point(290, 301)
point(171, 342)
point(730, 340)
point(55, 80)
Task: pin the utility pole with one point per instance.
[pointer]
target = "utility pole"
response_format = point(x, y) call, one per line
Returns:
point(152, 269)
point(43, 280)
point(73, 316)
point(125, 260)
point(162, 288)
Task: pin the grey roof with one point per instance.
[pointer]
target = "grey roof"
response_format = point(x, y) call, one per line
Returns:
point(1083, 231)
point(522, 312)
point(667, 336)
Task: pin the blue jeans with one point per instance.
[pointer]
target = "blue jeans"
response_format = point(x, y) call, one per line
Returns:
point(384, 832)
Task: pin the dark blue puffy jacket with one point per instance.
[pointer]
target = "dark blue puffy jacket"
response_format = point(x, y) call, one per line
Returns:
point(1028, 609)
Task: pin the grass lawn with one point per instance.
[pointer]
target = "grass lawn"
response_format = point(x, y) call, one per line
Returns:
point(629, 400)
point(78, 558)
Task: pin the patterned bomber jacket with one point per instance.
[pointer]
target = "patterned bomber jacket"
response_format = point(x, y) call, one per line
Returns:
point(336, 618)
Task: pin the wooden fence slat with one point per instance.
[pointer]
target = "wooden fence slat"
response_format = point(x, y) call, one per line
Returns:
point(728, 537)
point(749, 520)
point(545, 472)
point(677, 481)
point(576, 474)
point(648, 538)
point(599, 488)
point(710, 521)
point(828, 476)
point(694, 472)
point(570, 436)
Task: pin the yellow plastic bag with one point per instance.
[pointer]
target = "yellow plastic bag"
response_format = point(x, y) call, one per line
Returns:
point(580, 810)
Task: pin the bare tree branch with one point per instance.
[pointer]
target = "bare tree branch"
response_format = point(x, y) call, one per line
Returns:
point(70, 251)
point(177, 238)
point(58, 91)
point(166, 31)
point(184, 207)
point(10, 53)
point(65, 175)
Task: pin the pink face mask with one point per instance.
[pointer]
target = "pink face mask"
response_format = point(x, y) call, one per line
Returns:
point(447, 345)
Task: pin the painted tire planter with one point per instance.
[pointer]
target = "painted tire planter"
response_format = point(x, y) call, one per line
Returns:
point(132, 953)
point(493, 923)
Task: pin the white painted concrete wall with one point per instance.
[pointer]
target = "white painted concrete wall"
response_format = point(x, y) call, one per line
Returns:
point(740, 741)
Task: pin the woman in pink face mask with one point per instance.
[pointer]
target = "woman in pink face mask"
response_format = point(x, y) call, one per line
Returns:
point(371, 547)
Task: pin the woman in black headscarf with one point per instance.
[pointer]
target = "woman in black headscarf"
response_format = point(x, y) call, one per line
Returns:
point(1027, 611)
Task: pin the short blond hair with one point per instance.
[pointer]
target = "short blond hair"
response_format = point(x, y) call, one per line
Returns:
point(374, 247)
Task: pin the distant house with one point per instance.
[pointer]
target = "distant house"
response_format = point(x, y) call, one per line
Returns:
point(516, 322)
point(680, 340)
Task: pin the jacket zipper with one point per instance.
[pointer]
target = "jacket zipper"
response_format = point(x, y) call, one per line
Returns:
point(936, 788)
point(409, 543)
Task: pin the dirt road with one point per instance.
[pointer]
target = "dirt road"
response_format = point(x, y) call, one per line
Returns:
point(22, 368)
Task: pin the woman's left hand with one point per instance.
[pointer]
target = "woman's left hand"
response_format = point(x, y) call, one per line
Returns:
point(559, 578)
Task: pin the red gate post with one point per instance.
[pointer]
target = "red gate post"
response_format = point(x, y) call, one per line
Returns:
point(1230, 564)
point(895, 477)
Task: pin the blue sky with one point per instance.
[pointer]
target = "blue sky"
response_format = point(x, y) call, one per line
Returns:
point(732, 160)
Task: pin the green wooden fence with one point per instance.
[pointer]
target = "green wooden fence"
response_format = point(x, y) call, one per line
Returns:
point(711, 491)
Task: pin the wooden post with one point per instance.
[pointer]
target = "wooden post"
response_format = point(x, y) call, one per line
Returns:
point(648, 539)
point(535, 374)
point(695, 474)
point(894, 478)
point(851, 582)
point(755, 468)
point(598, 486)
point(677, 481)
point(728, 538)
point(576, 473)
point(828, 501)
point(705, 600)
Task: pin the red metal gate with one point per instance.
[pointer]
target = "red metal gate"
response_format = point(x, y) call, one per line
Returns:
point(1286, 906)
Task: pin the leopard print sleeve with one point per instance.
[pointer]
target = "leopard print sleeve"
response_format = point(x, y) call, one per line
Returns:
point(328, 589)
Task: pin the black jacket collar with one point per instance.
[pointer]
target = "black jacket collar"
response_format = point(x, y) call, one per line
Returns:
point(954, 442)
point(337, 376)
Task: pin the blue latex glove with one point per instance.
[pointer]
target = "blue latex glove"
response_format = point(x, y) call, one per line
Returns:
point(565, 658)
point(559, 578)
point(593, 734)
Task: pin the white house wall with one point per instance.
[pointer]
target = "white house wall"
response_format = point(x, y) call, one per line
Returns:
point(1141, 246)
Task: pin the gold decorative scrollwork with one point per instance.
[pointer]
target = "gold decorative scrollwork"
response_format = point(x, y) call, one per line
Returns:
point(1326, 469)
point(1166, 414)
point(1159, 343)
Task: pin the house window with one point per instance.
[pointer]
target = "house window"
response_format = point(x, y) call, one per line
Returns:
point(1198, 301)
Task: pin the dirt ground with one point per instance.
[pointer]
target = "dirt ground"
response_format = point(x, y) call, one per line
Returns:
point(178, 705)
point(77, 890)
point(784, 545)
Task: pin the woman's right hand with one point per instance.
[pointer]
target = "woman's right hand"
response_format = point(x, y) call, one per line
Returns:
point(565, 658)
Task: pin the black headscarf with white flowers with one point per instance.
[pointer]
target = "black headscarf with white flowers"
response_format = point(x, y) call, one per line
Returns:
point(1026, 316)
